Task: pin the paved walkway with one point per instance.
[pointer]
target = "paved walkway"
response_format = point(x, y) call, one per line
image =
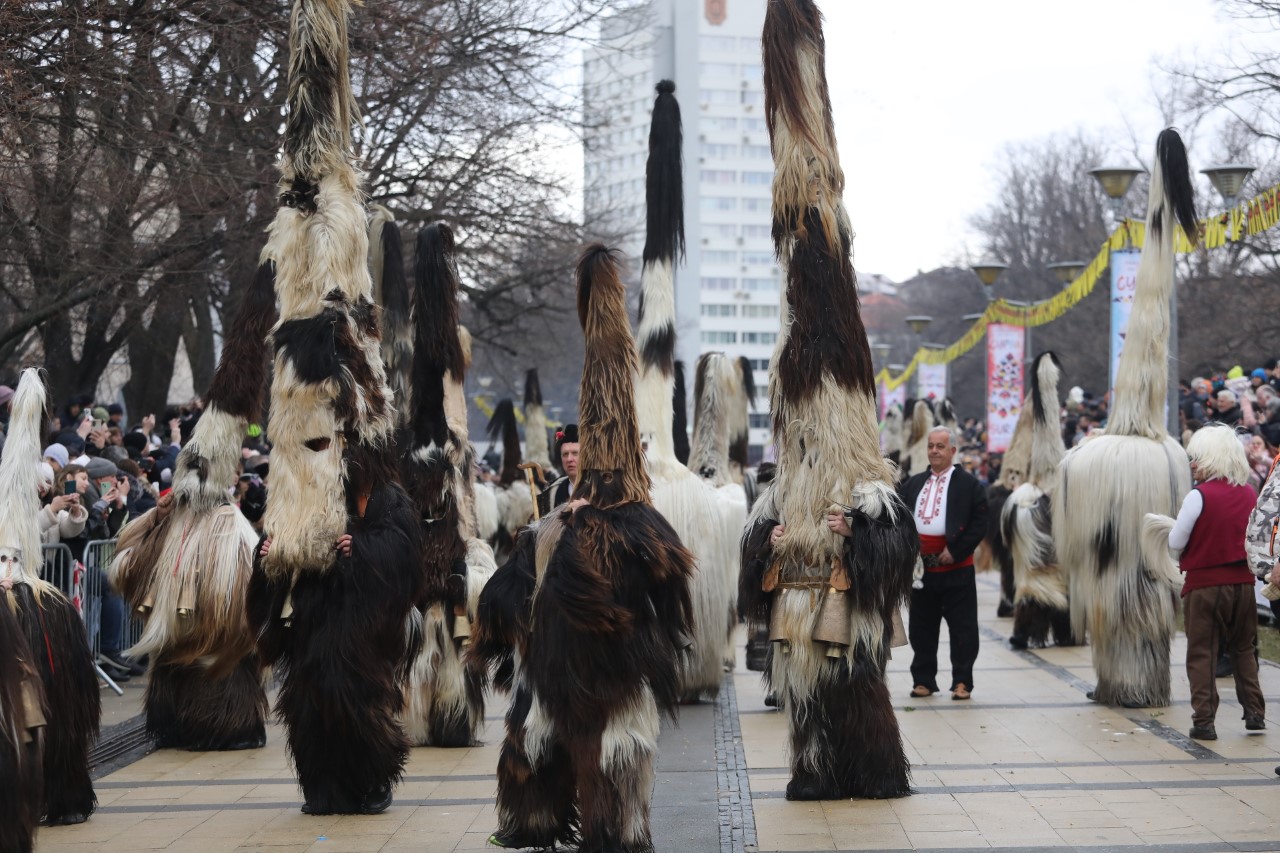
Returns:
point(1027, 764)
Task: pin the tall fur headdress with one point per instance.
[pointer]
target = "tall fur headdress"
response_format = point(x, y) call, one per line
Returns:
point(330, 402)
point(611, 466)
point(663, 246)
point(502, 424)
point(680, 416)
point(822, 387)
point(391, 293)
point(1047, 446)
point(1143, 374)
point(20, 480)
point(535, 420)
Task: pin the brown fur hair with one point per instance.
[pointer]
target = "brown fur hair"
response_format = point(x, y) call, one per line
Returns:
point(242, 371)
point(611, 463)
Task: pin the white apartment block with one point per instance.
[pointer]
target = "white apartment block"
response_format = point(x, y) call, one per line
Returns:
point(727, 296)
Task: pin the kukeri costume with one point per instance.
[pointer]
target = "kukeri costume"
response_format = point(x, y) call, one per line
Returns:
point(829, 600)
point(331, 616)
point(606, 585)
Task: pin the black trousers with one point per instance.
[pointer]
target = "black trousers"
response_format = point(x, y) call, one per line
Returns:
point(952, 596)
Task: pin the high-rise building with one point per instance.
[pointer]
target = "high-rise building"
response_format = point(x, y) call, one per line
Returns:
point(727, 296)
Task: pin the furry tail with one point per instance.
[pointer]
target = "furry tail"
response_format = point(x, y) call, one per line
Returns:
point(503, 423)
point(1156, 555)
point(20, 478)
point(322, 109)
point(680, 416)
point(437, 348)
point(611, 466)
point(663, 246)
point(535, 420)
point(715, 380)
point(1142, 379)
point(391, 291)
point(739, 416)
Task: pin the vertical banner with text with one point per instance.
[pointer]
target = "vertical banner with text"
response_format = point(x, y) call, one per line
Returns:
point(1004, 383)
point(932, 379)
point(1124, 282)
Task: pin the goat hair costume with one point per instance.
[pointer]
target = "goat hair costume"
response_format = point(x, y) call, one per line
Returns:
point(515, 499)
point(692, 506)
point(444, 703)
point(535, 422)
point(49, 697)
point(607, 585)
point(184, 566)
point(1013, 473)
point(719, 398)
point(828, 601)
point(1119, 584)
point(1040, 599)
point(333, 622)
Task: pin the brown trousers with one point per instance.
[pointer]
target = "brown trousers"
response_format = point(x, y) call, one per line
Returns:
point(1226, 612)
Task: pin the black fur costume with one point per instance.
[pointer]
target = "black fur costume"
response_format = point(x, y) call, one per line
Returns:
point(22, 719)
point(607, 587)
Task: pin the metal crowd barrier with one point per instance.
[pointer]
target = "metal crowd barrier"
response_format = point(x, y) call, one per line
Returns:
point(84, 583)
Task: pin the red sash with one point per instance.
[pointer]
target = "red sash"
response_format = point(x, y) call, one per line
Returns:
point(931, 545)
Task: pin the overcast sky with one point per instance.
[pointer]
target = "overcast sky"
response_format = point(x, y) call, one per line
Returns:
point(927, 94)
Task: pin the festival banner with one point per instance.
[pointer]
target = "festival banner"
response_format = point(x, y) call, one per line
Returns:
point(932, 379)
point(1124, 282)
point(892, 396)
point(1004, 383)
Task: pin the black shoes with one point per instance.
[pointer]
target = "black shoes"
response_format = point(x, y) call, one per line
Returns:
point(116, 672)
point(109, 660)
point(1123, 703)
point(513, 840)
point(70, 819)
point(1004, 609)
point(1204, 732)
point(1019, 643)
point(376, 801)
point(1254, 723)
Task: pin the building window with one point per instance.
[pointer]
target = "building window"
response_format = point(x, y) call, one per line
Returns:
point(752, 99)
point(720, 310)
point(714, 203)
point(754, 125)
point(757, 152)
point(719, 176)
point(757, 232)
point(754, 73)
point(713, 256)
point(759, 420)
point(721, 44)
point(759, 363)
point(719, 151)
point(757, 258)
point(719, 229)
point(718, 283)
point(716, 337)
point(759, 337)
point(756, 204)
point(721, 122)
point(759, 284)
point(718, 96)
point(718, 69)
point(758, 311)
point(759, 179)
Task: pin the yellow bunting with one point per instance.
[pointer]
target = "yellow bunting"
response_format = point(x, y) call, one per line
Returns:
point(1259, 214)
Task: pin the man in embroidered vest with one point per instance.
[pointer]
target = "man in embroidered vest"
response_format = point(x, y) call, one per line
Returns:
point(1218, 592)
point(950, 510)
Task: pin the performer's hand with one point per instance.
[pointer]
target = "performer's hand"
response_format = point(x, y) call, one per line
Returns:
point(266, 547)
point(777, 533)
point(344, 544)
point(945, 558)
point(836, 523)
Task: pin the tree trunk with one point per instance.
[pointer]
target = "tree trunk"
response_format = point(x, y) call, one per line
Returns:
point(153, 350)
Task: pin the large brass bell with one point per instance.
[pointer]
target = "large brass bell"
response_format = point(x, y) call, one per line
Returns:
point(461, 625)
point(832, 625)
point(148, 603)
point(187, 593)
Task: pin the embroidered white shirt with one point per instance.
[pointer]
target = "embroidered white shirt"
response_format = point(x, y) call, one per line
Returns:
point(931, 506)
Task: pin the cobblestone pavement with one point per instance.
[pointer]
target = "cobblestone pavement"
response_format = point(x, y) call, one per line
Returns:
point(1028, 763)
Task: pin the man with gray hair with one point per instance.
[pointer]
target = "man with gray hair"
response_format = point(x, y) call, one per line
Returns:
point(950, 510)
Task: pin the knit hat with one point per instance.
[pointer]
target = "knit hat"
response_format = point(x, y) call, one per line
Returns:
point(1235, 372)
point(99, 468)
point(58, 454)
point(115, 409)
point(135, 443)
point(1259, 373)
point(100, 413)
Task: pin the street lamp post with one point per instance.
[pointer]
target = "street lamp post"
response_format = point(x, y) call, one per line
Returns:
point(1115, 182)
point(988, 272)
point(1066, 271)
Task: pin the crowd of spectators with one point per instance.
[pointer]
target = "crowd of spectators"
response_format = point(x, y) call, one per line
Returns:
point(99, 472)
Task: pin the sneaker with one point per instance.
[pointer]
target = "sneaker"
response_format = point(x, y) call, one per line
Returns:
point(114, 671)
point(123, 662)
point(1254, 723)
point(1204, 732)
